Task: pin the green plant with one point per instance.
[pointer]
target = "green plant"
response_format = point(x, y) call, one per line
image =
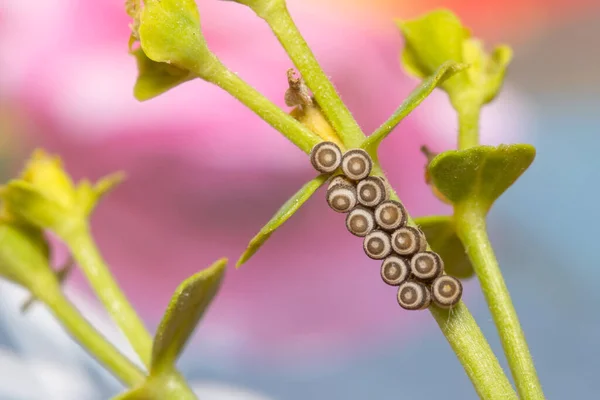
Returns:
point(438, 50)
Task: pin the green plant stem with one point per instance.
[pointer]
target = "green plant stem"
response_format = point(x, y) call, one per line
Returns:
point(471, 229)
point(414, 99)
point(172, 386)
point(221, 76)
point(473, 352)
point(336, 112)
point(86, 254)
point(466, 339)
point(91, 339)
point(468, 124)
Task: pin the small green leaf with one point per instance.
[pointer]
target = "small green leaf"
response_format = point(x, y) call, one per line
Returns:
point(479, 174)
point(439, 36)
point(416, 97)
point(47, 174)
point(24, 256)
point(22, 200)
point(170, 32)
point(155, 78)
point(430, 41)
point(188, 304)
point(45, 196)
point(496, 69)
point(89, 195)
point(288, 209)
point(441, 236)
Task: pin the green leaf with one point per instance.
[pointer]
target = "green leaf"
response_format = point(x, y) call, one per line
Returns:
point(496, 69)
point(441, 236)
point(430, 41)
point(416, 97)
point(188, 304)
point(479, 174)
point(288, 209)
point(170, 32)
point(89, 195)
point(24, 256)
point(22, 200)
point(155, 78)
point(45, 196)
point(438, 37)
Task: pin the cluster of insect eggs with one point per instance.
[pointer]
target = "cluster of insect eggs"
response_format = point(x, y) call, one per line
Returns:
point(418, 273)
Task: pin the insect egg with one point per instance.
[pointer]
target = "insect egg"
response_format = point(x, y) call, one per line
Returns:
point(341, 198)
point(340, 180)
point(414, 295)
point(360, 221)
point(390, 215)
point(395, 270)
point(326, 157)
point(356, 164)
point(426, 265)
point(446, 291)
point(377, 245)
point(370, 191)
point(386, 186)
point(407, 241)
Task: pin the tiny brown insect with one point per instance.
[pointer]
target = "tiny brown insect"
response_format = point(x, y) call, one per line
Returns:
point(377, 245)
point(371, 191)
point(413, 295)
point(395, 270)
point(426, 265)
point(407, 241)
point(360, 221)
point(326, 157)
point(446, 291)
point(341, 198)
point(390, 215)
point(356, 164)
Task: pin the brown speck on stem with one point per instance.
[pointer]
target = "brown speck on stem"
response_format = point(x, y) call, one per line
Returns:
point(297, 94)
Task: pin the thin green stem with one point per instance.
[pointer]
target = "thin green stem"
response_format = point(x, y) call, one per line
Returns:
point(221, 76)
point(91, 339)
point(86, 254)
point(468, 124)
point(473, 352)
point(414, 99)
point(336, 112)
point(466, 339)
point(471, 229)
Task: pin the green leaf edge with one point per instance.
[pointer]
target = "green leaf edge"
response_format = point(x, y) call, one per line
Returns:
point(450, 268)
point(483, 150)
point(412, 101)
point(284, 213)
point(164, 355)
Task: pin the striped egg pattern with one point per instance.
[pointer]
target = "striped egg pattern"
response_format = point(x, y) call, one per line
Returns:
point(406, 263)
